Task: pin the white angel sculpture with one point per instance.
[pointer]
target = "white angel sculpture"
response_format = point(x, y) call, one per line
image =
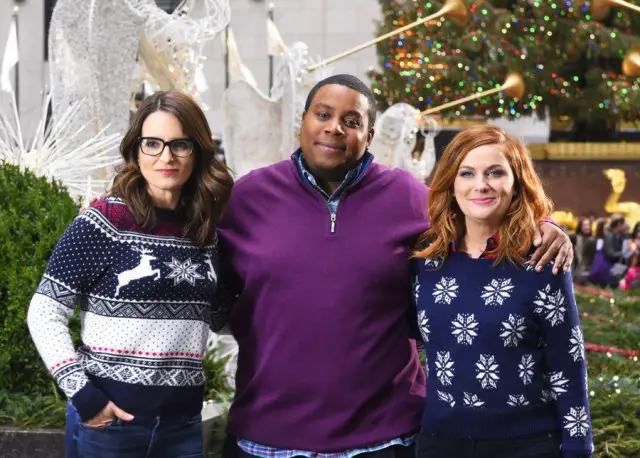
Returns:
point(259, 130)
point(395, 140)
point(171, 46)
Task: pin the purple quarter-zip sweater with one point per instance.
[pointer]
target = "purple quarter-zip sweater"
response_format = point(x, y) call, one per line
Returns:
point(327, 361)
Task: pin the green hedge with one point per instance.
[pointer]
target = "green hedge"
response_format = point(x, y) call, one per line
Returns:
point(34, 212)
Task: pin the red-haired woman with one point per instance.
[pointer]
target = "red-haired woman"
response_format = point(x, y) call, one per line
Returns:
point(505, 353)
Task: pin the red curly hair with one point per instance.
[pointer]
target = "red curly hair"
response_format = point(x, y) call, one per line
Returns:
point(529, 206)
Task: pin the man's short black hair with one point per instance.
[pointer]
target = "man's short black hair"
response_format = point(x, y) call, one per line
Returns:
point(351, 82)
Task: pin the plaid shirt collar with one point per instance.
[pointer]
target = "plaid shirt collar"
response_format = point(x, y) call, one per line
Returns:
point(351, 178)
point(492, 244)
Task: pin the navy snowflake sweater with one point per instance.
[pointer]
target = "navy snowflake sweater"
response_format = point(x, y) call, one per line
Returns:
point(505, 353)
point(146, 306)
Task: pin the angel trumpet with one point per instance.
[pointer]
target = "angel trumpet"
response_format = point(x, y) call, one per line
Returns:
point(600, 8)
point(455, 9)
point(513, 86)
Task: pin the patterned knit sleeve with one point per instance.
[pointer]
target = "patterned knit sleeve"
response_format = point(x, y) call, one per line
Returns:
point(566, 376)
point(228, 288)
point(81, 256)
point(414, 292)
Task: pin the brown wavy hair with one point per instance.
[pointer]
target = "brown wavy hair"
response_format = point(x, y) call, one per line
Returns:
point(205, 194)
point(529, 206)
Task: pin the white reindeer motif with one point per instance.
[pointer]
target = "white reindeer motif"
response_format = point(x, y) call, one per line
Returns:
point(211, 275)
point(142, 270)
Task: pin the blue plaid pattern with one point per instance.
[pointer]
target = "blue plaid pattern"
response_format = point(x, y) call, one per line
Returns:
point(270, 452)
point(333, 200)
point(351, 178)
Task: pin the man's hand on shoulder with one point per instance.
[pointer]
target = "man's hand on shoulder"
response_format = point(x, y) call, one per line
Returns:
point(551, 241)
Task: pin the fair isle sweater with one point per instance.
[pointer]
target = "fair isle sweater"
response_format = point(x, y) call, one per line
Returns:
point(145, 304)
point(326, 362)
point(505, 353)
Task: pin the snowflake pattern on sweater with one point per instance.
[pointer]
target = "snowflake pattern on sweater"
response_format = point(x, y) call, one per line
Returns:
point(146, 306)
point(505, 350)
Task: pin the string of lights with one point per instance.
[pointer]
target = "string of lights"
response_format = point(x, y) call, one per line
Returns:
point(570, 62)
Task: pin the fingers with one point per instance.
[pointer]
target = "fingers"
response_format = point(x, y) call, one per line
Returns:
point(107, 415)
point(537, 236)
point(561, 257)
point(547, 255)
point(121, 414)
point(99, 423)
point(567, 249)
point(542, 247)
point(103, 418)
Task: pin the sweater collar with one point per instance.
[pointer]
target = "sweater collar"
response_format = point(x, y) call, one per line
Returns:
point(492, 244)
point(169, 216)
point(353, 176)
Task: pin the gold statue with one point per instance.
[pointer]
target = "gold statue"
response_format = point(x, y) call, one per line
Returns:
point(565, 219)
point(631, 210)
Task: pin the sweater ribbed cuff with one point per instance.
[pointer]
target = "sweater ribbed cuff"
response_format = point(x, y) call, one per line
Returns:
point(89, 401)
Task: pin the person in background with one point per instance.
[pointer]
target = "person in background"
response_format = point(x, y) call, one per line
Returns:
point(584, 249)
point(142, 266)
point(319, 247)
point(506, 368)
point(600, 267)
point(614, 239)
point(631, 255)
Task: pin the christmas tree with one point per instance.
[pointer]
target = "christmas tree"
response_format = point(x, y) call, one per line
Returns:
point(571, 63)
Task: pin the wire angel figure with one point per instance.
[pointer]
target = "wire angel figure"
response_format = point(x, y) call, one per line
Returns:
point(93, 47)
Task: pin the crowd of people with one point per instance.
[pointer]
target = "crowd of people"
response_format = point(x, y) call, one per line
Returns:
point(607, 252)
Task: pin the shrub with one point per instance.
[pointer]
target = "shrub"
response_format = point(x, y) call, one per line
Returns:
point(34, 212)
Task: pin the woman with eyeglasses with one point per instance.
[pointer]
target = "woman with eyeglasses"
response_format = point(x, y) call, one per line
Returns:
point(141, 264)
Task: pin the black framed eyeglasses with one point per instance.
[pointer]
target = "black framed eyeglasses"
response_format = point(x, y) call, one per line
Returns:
point(179, 147)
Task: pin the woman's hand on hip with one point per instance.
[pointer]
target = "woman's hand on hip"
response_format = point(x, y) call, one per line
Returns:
point(107, 415)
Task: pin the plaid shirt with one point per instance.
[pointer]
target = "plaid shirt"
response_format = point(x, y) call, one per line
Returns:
point(492, 244)
point(270, 452)
point(333, 200)
point(352, 176)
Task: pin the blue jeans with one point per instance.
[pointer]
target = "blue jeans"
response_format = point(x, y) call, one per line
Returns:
point(70, 449)
point(151, 437)
point(541, 445)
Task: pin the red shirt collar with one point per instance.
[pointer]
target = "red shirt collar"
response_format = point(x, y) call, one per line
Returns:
point(492, 243)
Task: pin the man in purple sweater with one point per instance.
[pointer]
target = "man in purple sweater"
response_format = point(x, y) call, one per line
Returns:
point(318, 247)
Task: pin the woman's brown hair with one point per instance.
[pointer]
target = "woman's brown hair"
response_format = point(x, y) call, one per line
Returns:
point(529, 206)
point(204, 196)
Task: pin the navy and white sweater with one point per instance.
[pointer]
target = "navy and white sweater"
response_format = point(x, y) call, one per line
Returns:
point(505, 352)
point(146, 308)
